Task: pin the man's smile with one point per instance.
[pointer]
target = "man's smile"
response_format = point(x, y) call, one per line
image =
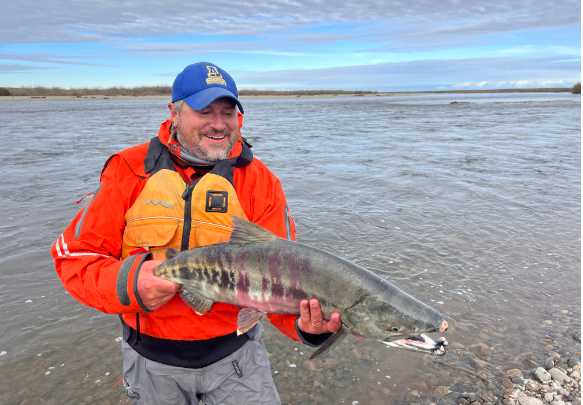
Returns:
point(216, 137)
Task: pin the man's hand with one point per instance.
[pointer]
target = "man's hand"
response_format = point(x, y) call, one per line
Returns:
point(154, 291)
point(312, 320)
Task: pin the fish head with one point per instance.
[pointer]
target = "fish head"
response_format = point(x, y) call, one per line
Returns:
point(165, 270)
point(172, 269)
point(378, 318)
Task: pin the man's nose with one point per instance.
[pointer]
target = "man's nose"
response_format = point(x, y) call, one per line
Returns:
point(218, 122)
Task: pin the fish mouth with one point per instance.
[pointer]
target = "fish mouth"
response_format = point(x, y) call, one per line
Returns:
point(402, 332)
point(411, 334)
point(421, 343)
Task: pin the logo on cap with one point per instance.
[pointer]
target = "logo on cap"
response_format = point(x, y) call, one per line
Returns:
point(213, 76)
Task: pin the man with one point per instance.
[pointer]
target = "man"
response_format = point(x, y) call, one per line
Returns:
point(180, 190)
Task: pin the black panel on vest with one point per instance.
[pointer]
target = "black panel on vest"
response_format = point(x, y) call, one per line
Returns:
point(158, 157)
point(224, 168)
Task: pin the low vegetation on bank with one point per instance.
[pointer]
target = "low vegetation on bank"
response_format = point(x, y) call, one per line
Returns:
point(40, 92)
point(111, 91)
point(152, 91)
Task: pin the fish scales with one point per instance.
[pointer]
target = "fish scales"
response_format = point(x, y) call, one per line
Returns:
point(209, 274)
point(275, 277)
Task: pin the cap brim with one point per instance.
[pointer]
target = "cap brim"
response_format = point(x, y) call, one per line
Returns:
point(203, 98)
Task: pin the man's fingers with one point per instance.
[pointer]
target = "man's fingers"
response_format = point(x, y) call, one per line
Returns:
point(159, 300)
point(312, 318)
point(149, 265)
point(315, 313)
point(334, 323)
point(304, 311)
point(169, 287)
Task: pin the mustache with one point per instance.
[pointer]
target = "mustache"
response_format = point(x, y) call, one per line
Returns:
point(212, 132)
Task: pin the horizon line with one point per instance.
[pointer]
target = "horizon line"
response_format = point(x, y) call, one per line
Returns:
point(166, 90)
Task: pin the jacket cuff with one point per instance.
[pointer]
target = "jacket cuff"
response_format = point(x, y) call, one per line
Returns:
point(311, 339)
point(127, 281)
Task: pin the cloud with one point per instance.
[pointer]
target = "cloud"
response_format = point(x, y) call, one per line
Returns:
point(17, 68)
point(64, 21)
point(533, 50)
point(419, 75)
point(44, 58)
point(426, 41)
point(231, 47)
point(512, 84)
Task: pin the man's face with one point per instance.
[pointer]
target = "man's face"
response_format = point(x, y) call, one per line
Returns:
point(208, 134)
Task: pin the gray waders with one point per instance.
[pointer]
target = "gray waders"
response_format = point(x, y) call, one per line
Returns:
point(243, 377)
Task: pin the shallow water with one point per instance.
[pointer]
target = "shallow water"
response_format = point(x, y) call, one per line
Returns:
point(472, 207)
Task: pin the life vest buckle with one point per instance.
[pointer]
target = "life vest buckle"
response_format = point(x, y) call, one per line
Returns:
point(217, 201)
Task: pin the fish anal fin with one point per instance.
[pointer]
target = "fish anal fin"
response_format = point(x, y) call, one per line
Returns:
point(247, 319)
point(245, 232)
point(334, 339)
point(199, 304)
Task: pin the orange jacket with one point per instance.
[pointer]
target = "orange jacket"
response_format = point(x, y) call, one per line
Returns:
point(87, 255)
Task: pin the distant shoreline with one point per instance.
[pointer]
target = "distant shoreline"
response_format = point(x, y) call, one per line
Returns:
point(44, 92)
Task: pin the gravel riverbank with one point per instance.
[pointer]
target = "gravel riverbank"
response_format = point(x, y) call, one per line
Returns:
point(551, 377)
point(556, 382)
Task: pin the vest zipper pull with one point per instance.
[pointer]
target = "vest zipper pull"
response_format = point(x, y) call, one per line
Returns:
point(187, 196)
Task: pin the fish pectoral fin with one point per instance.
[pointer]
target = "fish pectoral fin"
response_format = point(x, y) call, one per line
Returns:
point(247, 319)
point(245, 232)
point(199, 304)
point(335, 338)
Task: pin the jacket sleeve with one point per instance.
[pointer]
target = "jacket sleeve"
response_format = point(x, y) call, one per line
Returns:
point(87, 254)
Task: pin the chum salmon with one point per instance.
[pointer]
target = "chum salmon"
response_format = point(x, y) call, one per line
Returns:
point(262, 273)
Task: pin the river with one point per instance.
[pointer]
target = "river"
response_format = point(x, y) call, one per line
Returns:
point(469, 202)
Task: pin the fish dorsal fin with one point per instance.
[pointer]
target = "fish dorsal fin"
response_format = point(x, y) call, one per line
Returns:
point(245, 232)
point(170, 253)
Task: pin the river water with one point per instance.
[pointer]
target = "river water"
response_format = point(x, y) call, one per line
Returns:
point(473, 207)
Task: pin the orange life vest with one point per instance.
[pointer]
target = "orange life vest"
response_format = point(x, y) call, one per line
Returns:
point(169, 213)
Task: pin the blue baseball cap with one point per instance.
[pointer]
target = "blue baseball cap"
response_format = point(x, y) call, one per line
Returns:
point(202, 83)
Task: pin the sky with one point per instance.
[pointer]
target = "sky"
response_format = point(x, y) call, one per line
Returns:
point(380, 45)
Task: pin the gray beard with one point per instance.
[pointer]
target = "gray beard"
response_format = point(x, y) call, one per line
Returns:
point(187, 155)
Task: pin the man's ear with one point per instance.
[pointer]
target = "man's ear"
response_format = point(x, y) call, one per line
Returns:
point(172, 110)
point(240, 119)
